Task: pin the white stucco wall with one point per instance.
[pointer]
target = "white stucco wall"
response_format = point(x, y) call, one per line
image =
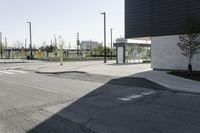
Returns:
point(166, 55)
point(120, 54)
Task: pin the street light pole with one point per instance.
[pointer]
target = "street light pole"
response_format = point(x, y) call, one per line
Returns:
point(25, 45)
point(6, 45)
point(1, 44)
point(31, 57)
point(55, 40)
point(105, 52)
point(111, 41)
point(78, 44)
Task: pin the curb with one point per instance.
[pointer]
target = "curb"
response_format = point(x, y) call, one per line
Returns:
point(173, 89)
point(80, 72)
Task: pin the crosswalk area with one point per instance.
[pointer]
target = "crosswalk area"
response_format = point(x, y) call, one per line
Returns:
point(11, 72)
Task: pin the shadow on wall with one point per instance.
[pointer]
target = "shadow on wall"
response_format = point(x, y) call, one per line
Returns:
point(99, 110)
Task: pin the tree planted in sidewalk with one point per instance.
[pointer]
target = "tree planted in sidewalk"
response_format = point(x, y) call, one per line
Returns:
point(189, 43)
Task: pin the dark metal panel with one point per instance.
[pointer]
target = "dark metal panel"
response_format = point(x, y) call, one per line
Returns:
point(158, 17)
point(194, 8)
point(168, 17)
point(137, 17)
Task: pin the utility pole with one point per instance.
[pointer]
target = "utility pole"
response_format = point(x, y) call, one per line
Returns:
point(69, 46)
point(111, 41)
point(105, 52)
point(61, 54)
point(1, 44)
point(61, 43)
point(25, 45)
point(78, 44)
point(55, 40)
point(5, 41)
point(31, 57)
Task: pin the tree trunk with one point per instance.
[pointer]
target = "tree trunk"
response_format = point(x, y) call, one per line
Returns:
point(190, 66)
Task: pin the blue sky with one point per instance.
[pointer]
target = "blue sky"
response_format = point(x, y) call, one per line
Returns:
point(62, 17)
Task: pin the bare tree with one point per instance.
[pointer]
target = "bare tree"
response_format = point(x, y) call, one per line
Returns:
point(190, 45)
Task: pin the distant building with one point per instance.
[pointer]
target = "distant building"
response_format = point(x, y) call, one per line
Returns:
point(89, 45)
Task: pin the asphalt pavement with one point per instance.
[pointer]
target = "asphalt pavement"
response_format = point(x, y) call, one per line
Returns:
point(91, 103)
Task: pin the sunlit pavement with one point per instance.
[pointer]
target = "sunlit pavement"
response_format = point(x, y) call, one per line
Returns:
point(78, 102)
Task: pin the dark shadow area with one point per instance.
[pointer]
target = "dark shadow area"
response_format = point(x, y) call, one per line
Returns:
point(78, 117)
point(195, 75)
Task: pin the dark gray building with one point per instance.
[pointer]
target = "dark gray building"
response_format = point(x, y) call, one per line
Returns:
point(162, 21)
point(158, 17)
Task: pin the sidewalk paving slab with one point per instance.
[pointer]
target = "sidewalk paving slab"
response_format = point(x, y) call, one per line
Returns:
point(172, 82)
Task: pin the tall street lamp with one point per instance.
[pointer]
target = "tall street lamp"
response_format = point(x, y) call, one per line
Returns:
point(111, 41)
point(105, 52)
point(5, 41)
point(1, 44)
point(78, 44)
point(25, 45)
point(31, 57)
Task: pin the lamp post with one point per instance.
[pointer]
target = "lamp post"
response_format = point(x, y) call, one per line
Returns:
point(111, 41)
point(25, 45)
point(61, 43)
point(1, 45)
point(78, 44)
point(105, 52)
point(6, 45)
point(61, 54)
point(31, 57)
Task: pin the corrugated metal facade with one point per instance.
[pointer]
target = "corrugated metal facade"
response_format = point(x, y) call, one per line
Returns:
point(158, 17)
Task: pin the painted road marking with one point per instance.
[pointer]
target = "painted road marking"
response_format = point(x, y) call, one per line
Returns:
point(136, 96)
point(7, 72)
point(30, 86)
point(149, 69)
point(12, 72)
point(17, 71)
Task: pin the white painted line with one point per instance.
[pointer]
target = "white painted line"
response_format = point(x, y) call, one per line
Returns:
point(28, 85)
point(149, 69)
point(16, 67)
point(136, 96)
point(148, 93)
point(6, 72)
point(17, 71)
point(131, 97)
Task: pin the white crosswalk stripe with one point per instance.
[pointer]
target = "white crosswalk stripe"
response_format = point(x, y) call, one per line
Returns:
point(136, 96)
point(6, 72)
point(11, 72)
point(17, 71)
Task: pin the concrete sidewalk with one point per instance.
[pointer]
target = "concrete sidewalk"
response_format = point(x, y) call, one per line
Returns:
point(172, 82)
point(120, 70)
point(92, 67)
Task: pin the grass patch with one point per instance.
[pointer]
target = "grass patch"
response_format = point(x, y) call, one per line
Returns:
point(184, 74)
